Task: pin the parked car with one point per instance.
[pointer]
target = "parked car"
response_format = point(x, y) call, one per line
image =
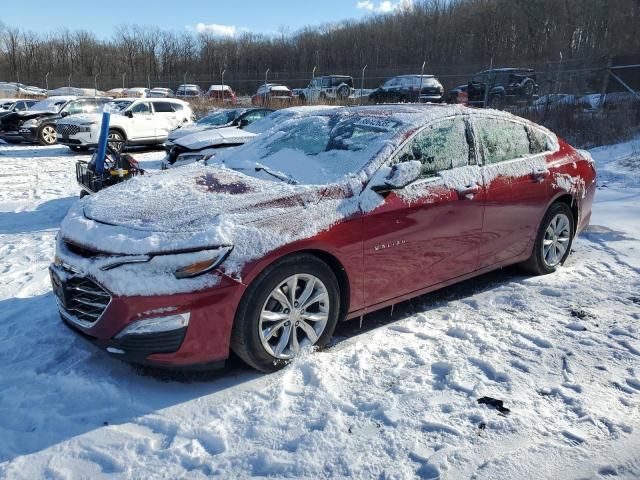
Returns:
point(331, 87)
point(232, 117)
point(223, 93)
point(116, 92)
point(272, 94)
point(409, 88)
point(504, 85)
point(19, 89)
point(203, 145)
point(38, 124)
point(134, 121)
point(161, 93)
point(136, 92)
point(339, 213)
point(10, 105)
point(188, 90)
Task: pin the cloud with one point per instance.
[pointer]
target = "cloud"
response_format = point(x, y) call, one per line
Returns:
point(385, 6)
point(216, 29)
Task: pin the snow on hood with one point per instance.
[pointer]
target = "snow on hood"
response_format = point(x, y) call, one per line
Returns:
point(190, 129)
point(196, 207)
point(217, 136)
point(82, 118)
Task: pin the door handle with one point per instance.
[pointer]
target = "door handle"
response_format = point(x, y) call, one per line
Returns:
point(540, 176)
point(470, 191)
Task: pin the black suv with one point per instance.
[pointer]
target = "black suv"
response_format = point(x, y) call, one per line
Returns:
point(504, 85)
point(38, 124)
point(409, 88)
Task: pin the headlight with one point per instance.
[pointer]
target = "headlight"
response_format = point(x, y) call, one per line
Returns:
point(203, 266)
point(155, 325)
point(30, 123)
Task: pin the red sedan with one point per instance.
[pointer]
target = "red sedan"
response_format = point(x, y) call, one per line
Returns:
point(323, 219)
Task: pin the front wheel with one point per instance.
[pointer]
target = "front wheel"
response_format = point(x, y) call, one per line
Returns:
point(116, 141)
point(553, 241)
point(47, 135)
point(292, 305)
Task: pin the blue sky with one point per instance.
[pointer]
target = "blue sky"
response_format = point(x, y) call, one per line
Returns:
point(227, 17)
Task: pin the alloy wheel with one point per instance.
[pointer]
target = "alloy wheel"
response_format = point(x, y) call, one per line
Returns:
point(115, 141)
point(49, 134)
point(556, 240)
point(294, 315)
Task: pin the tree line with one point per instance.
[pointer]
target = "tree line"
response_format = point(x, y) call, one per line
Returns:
point(451, 36)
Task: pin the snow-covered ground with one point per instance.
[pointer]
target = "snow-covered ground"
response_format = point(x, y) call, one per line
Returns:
point(396, 399)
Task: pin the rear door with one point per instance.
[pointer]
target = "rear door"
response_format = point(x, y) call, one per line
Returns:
point(515, 176)
point(166, 118)
point(429, 231)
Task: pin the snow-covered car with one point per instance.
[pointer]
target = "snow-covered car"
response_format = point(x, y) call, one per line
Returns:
point(223, 93)
point(188, 90)
point(136, 92)
point(18, 89)
point(204, 144)
point(231, 117)
point(161, 93)
point(272, 94)
point(328, 217)
point(332, 87)
point(134, 121)
point(38, 124)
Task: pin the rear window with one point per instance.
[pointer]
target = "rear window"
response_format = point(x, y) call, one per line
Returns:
point(163, 107)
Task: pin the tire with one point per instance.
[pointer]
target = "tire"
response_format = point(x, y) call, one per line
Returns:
point(538, 263)
point(343, 92)
point(322, 97)
point(116, 141)
point(251, 325)
point(302, 98)
point(527, 88)
point(47, 135)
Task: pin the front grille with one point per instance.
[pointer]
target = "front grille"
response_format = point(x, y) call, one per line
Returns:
point(67, 129)
point(78, 296)
point(161, 342)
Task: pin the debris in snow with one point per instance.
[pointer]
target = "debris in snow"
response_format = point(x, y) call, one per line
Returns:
point(494, 403)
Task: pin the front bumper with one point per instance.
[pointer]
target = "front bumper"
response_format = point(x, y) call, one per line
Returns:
point(30, 134)
point(205, 342)
point(81, 139)
point(12, 136)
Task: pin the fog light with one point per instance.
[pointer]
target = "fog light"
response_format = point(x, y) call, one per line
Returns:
point(155, 325)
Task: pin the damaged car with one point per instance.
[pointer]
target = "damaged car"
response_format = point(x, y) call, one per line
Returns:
point(330, 216)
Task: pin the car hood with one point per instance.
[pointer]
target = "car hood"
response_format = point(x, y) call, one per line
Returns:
point(190, 129)
point(213, 137)
point(196, 207)
point(83, 118)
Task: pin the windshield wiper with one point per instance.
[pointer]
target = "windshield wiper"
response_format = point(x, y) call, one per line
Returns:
point(278, 175)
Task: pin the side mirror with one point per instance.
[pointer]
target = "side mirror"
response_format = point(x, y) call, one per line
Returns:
point(129, 113)
point(243, 123)
point(64, 114)
point(402, 174)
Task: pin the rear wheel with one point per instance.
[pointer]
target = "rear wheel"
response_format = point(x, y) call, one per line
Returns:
point(343, 92)
point(116, 141)
point(47, 135)
point(293, 304)
point(553, 241)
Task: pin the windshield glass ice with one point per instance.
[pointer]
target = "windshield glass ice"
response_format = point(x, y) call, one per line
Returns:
point(117, 106)
point(268, 122)
point(219, 118)
point(49, 105)
point(318, 149)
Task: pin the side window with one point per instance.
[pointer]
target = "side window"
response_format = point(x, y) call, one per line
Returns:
point(176, 107)
point(326, 83)
point(90, 106)
point(538, 141)
point(440, 146)
point(162, 107)
point(20, 106)
point(74, 108)
point(141, 108)
point(501, 139)
point(253, 116)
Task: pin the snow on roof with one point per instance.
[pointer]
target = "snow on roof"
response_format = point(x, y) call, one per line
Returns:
point(214, 88)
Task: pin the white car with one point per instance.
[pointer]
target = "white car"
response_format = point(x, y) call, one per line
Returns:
point(334, 87)
point(136, 92)
point(134, 121)
point(161, 93)
point(205, 144)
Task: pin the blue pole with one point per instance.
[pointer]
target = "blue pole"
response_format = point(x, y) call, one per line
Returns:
point(102, 142)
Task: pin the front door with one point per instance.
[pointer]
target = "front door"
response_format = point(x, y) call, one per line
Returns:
point(143, 124)
point(429, 231)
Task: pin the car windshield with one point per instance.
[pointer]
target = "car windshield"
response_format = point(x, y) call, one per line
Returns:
point(270, 121)
point(317, 149)
point(219, 118)
point(49, 105)
point(117, 106)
